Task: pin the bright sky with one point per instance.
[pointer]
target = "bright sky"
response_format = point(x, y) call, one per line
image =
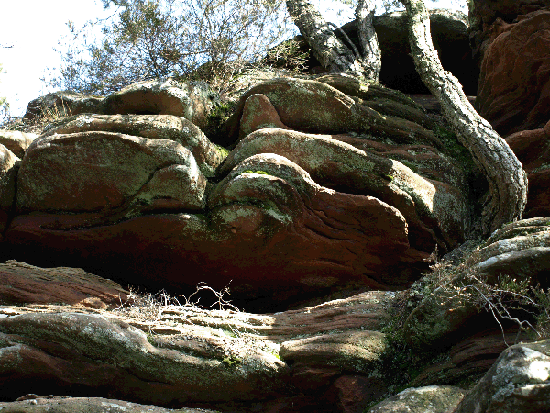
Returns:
point(34, 27)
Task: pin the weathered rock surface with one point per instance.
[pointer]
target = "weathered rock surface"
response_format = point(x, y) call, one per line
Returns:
point(263, 219)
point(191, 100)
point(514, 86)
point(356, 392)
point(207, 155)
point(339, 165)
point(470, 358)
point(318, 358)
point(519, 381)
point(429, 399)
point(531, 148)
point(21, 283)
point(108, 173)
point(353, 351)
point(134, 204)
point(482, 14)
point(189, 355)
point(16, 141)
point(109, 356)
point(37, 404)
point(329, 111)
point(60, 104)
point(291, 216)
point(520, 249)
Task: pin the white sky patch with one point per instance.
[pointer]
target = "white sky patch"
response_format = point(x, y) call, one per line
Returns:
point(34, 28)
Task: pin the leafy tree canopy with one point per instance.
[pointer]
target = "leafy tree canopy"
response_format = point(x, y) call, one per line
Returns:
point(147, 39)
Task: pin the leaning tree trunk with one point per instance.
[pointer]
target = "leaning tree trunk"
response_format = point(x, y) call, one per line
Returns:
point(507, 181)
point(333, 54)
point(368, 40)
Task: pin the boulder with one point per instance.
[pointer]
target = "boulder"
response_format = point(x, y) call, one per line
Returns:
point(469, 359)
point(191, 100)
point(110, 173)
point(55, 352)
point(9, 164)
point(514, 86)
point(519, 381)
point(207, 155)
point(336, 164)
point(16, 141)
point(259, 113)
point(521, 248)
point(432, 399)
point(60, 104)
point(317, 107)
point(531, 148)
point(37, 404)
point(21, 283)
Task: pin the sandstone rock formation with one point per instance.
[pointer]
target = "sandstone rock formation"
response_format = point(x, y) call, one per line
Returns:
point(518, 381)
point(514, 90)
point(37, 404)
point(336, 356)
point(182, 354)
point(531, 148)
point(207, 155)
point(520, 249)
point(436, 399)
point(510, 40)
point(60, 104)
point(16, 141)
point(322, 211)
point(22, 283)
point(192, 100)
point(148, 194)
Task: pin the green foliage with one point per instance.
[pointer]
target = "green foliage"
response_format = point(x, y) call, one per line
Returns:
point(148, 39)
point(255, 172)
point(231, 361)
point(217, 118)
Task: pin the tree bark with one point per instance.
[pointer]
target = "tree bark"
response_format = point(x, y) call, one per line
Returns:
point(368, 40)
point(507, 195)
point(333, 54)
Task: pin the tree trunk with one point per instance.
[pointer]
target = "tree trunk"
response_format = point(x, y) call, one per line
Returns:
point(333, 54)
point(368, 40)
point(507, 181)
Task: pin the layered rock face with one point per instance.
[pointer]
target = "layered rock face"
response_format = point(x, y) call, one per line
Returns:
point(510, 40)
point(355, 192)
point(514, 90)
point(328, 197)
point(339, 356)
